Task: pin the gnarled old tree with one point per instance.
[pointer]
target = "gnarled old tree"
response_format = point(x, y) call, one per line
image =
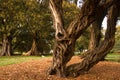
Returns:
point(91, 13)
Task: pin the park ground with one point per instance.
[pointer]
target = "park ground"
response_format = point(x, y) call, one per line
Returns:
point(36, 70)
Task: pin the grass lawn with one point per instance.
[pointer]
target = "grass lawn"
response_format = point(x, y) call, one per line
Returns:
point(7, 60)
point(113, 57)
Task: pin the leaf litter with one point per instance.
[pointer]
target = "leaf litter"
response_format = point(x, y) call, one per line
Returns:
point(37, 70)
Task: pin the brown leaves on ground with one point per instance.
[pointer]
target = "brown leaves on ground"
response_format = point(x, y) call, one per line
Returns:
point(36, 70)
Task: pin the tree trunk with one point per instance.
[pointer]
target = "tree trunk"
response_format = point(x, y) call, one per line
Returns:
point(6, 46)
point(34, 49)
point(36, 45)
point(101, 51)
point(63, 52)
point(95, 33)
point(65, 39)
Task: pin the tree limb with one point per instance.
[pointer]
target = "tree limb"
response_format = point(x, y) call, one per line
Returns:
point(56, 9)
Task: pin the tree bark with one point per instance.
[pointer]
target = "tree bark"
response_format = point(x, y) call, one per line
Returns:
point(36, 45)
point(95, 33)
point(63, 52)
point(65, 38)
point(63, 45)
point(101, 51)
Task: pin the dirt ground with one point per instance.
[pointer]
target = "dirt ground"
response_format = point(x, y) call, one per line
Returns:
point(36, 70)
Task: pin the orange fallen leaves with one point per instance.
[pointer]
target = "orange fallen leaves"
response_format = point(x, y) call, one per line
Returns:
point(36, 70)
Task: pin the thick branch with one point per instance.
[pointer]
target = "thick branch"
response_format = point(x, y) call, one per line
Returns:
point(101, 51)
point(96, 31)
point(56, 9)
point(86, 17)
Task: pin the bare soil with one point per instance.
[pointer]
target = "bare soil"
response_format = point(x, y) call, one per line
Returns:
point(36, 70)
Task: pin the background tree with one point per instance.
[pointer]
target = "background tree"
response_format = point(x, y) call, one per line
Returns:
point(9, 25)
point(35, 22)
point(24, 21)
point(83, 42)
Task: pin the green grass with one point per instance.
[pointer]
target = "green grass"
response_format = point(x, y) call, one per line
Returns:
point(8, 60)
point(113, 57)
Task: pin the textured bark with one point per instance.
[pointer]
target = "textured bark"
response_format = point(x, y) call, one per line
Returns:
point(65, 39)
point(6, 46)
point(94, 36)
point(56, 9)
point(63, 52)
point(85, 18)
point(101, 51)
point(95, 33)
point(62, 42)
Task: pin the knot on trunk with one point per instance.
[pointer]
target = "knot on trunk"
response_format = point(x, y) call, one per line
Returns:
point(60, 35)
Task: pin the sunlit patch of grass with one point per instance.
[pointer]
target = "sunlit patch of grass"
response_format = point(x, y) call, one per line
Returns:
point(7, 60)
point(113, 57)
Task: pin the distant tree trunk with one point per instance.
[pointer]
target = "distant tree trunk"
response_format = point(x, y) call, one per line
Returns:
point(35, 48)
point(6, 46)
point(101, 51)
point(94, 36)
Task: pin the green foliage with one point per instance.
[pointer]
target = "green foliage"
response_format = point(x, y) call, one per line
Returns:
point(22, 19)
point(25, 19)
point(70, 11)
point(7, 17)
point(38, 25)
point(117, 40)
point(83, 42)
